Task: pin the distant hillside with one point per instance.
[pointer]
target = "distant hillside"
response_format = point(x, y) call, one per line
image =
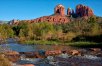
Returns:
point(2, 22)
point(59, 16)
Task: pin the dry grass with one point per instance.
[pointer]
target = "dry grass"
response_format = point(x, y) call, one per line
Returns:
point(4, 61)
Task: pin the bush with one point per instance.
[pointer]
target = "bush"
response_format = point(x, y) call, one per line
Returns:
point(69, 36)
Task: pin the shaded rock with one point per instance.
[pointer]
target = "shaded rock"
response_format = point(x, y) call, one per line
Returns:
point(75, 52)
point(27, 54)
point(12, 55)
point(69, 11)
point(36, 54)
point(53, 52)
point(73, 12)
point(82, 11)
point(95, 49)
point(99, 54)
point(91, 57)
point(64, 55)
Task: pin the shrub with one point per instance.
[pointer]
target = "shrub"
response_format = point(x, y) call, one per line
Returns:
point(69, 36)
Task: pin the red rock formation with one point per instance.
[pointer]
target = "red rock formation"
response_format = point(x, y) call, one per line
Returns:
point(52, 19)
point(59, 15)
point(69, 12)
point(73, 12)
point(56, 19)
point(60, 10)
point(82, 11)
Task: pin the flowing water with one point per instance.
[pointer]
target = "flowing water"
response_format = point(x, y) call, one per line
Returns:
point(13, 45)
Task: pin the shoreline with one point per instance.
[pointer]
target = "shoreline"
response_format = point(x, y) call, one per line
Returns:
point(73, 44)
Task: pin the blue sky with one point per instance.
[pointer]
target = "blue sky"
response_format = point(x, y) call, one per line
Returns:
point(30, 9)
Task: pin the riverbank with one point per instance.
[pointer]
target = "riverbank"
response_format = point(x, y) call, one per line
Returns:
point(80, 44)
point(36, 50)
point(74, 44)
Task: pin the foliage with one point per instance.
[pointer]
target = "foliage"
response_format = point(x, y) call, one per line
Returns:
point(45, 31)
point(6, 31)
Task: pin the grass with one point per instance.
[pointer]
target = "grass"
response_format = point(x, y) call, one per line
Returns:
point(43, 42)
point(82, 44)
point(4, 61)
point(74, 44)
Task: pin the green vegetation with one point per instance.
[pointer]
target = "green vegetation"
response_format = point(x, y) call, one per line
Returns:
point(79, 31)
point(6, 31)
point(42, 42)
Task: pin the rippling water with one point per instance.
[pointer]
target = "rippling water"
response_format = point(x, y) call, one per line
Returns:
point(13, 45)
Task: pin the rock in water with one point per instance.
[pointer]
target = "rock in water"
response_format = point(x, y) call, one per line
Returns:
point(64, 55)
point(50, 58)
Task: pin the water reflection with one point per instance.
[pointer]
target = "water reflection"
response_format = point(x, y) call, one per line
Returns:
point(30, 48)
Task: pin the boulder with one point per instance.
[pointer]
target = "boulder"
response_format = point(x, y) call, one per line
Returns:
point(27, 65)
point(53, 52)
point(11, 53)
point(28, 54)
point(75, 52)
point(13, 56)
point(95, 49)
point(99, 54)
point(37, 55)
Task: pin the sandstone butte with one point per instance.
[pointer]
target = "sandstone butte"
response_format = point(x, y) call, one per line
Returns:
point(59, 15)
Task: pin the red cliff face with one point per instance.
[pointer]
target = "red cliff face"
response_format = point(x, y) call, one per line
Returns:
point(82, 11)
point(56, 19)
point(59, 10)
point(53, 19)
